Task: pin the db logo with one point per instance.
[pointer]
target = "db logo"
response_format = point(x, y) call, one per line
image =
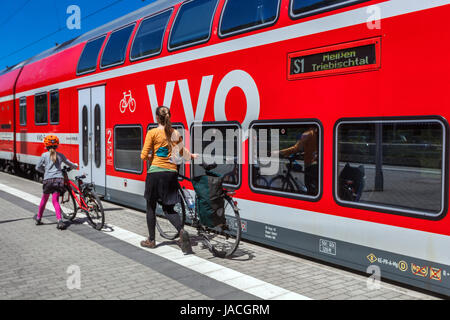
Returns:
point(127, 102)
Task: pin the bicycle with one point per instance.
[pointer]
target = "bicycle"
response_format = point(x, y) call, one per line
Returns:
point(286, 181)
point(127, 101)
point(223, 240)
point(81, 198)
point(259, 180)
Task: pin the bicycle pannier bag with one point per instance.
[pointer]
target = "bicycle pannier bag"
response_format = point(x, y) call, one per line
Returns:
point(210, 202)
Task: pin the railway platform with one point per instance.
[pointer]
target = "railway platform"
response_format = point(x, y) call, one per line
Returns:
point(41, 262)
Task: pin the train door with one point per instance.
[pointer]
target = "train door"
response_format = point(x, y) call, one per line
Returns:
point(91, 134)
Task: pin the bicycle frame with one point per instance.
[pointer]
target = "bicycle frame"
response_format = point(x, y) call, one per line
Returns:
point(80, 200)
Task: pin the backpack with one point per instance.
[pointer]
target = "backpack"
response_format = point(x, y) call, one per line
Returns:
point(210, 201)
point(356, 176)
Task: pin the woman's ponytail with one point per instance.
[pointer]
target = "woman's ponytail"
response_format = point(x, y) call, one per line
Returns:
point(163, 114)
point(53, 154)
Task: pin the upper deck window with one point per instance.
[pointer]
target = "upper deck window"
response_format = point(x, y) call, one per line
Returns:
point(115, 49)
point(303, 8)
point(192, 24)
point(149, 38)
point(239, 16)
point(88, 59)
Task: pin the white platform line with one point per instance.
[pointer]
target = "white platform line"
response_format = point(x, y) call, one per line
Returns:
point(212, 270)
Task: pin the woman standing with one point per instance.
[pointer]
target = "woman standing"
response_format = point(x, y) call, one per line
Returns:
point(162, 146)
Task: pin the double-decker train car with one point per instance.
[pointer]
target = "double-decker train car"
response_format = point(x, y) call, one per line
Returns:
point(328, 118)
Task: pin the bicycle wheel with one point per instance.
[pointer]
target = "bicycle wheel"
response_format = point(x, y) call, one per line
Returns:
point(69, 206)
point(96, 214)
point(165, 228)
point(261, 182)
point(282, 183)
point(225, 240)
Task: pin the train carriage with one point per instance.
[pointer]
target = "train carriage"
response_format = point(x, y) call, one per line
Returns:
point(357, 77)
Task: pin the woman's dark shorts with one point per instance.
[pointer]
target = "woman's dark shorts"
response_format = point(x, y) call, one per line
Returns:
point(53, 185)
point(162, 187)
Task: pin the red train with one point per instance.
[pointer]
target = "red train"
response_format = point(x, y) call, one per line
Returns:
point(365, 80)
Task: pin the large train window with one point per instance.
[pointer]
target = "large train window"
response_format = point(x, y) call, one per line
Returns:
point(127, 148)
point(54, 107)
point(23, 111)
point(285, 158)
point(396, 166)
point(302, 8)
point(41, 109)
point(218, 144)
point(180, 128)
point(149, 37)
point(116, 47)
point(89, 57)
point(240, 16)
point(192, 24)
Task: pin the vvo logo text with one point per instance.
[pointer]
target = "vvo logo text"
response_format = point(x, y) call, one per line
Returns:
point(235, 78)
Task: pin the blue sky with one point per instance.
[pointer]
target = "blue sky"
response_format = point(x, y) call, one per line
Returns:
point(23, 23)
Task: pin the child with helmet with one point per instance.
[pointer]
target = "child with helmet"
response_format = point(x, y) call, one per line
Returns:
point(53, 183)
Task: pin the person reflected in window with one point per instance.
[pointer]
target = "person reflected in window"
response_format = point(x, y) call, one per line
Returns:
point(308, 142)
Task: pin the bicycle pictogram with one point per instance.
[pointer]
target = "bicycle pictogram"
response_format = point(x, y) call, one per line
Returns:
point(126, 102)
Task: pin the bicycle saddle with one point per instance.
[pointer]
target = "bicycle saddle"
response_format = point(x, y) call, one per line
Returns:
point(80, 177)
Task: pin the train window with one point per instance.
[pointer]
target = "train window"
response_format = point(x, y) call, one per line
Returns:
point(23, 111)
point(97, 136)
point(54, 107)
point(180, 128)
point(393, 166)
point(88, 59)
point(192, 24)
point(286, 158)
point(41, 109)
point(149, 38)
point(116, 47)
point(218, 144)
point(302, 8)
point(240, 16)
point(85, 136)
point(127, 149)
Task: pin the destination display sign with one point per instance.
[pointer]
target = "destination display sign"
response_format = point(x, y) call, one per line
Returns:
point(350, 57)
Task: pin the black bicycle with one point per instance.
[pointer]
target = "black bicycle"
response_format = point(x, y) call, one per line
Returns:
point(223, 240)
point(286, 181)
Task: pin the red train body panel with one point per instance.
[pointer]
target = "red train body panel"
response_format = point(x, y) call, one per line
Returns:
point(409, 83)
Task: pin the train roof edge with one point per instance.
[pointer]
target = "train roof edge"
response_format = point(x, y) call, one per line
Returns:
point(150, 9)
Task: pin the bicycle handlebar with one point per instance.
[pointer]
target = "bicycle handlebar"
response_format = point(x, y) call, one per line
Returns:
point(68, 169)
